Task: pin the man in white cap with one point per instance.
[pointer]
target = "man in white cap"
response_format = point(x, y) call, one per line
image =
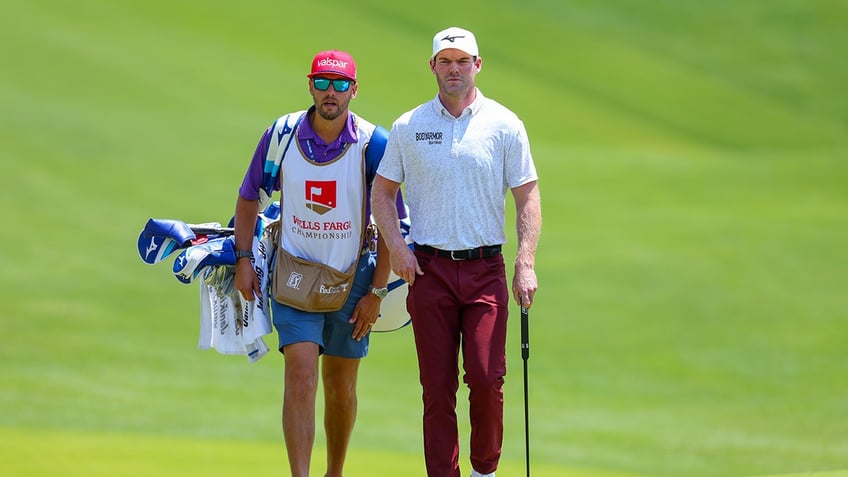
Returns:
point(459, 154)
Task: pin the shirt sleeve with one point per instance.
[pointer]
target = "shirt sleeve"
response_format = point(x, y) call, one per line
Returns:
point(253, 177)
point(520, 168)
point(391, 167)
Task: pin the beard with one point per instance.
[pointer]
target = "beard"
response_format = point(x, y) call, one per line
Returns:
point(453, 88)
point(329, 115)
point(332, 112)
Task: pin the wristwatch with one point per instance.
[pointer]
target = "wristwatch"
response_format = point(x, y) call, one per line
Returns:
point(244, 254)
point(380, 292)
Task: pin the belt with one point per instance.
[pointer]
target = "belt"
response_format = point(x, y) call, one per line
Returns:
point(471, 253)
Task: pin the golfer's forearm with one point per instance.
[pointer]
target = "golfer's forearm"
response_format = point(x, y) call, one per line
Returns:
point(528, 224)
point(245, 222)
point(384, 208)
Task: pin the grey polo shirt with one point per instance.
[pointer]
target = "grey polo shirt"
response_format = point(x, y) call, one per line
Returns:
point(457, 171)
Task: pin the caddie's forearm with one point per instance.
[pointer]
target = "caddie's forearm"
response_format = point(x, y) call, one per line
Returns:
point(245, 222)
point(384, 264)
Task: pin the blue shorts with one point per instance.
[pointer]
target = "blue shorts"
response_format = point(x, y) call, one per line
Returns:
point(330, 331)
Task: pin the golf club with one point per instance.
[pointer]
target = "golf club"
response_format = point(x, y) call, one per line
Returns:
point(160, 238)
point(525, 355)
point(212, 228)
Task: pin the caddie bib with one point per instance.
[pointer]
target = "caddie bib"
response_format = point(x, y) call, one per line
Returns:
point(323, 207)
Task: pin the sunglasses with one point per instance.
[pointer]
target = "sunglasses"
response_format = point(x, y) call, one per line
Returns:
point(323, 84)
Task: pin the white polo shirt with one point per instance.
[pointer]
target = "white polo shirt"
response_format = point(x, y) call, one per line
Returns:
point(458, 170)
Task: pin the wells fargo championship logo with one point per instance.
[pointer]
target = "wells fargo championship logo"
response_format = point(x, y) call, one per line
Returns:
point(321, 196)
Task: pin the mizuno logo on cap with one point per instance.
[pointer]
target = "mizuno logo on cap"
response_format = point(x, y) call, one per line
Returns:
point(452, 38)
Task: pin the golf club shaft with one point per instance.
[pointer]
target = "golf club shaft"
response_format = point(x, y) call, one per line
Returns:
point(525, 355)
point(210, 230)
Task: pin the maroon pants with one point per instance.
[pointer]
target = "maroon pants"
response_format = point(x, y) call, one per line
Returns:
point(460, 305)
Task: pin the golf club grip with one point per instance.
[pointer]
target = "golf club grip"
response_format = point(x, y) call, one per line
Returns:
point(525, 332)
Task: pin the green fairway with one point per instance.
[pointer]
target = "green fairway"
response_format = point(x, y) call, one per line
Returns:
point(691, 318)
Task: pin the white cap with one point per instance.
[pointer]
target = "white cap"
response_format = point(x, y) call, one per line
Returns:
point(454, 37)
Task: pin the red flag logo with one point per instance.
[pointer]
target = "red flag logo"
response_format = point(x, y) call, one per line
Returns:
point(320, 196)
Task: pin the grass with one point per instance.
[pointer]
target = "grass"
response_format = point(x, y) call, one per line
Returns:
point(690, 319)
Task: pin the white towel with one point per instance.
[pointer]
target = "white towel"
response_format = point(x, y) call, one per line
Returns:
point(225, 320)
point(257, 316)
point(230, 324)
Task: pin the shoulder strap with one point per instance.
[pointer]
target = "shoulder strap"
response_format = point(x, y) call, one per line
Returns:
point(278, 144)
point(374, 152)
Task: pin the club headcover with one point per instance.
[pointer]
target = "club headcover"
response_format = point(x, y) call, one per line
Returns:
point(161, 237)
point(190, 262)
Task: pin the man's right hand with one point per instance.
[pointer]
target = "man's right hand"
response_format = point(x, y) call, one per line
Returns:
point(404, 264)
point(246, 281)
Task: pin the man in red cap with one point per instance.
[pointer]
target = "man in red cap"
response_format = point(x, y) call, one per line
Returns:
point(315, 158)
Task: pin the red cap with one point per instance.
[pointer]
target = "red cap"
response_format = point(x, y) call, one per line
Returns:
point(333, 62)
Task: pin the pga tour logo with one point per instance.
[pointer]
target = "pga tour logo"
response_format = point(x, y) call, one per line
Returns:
point(294, 280)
